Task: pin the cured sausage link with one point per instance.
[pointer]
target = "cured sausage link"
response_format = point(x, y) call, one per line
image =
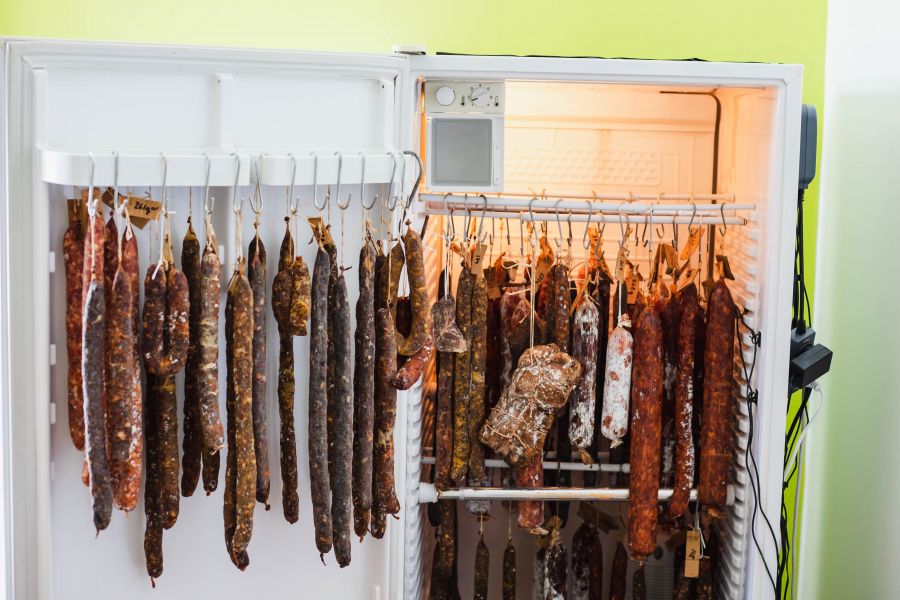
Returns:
point(92, 368)
point(418, 296)
point(342, 425)
point(364, 392)
point(192, 441)
point(646, 429)
point(73, 259)
point(462, 376)
point(121, 365)
point(384, 494)
point(281, 303)
point(585, 339)
point(210, 419)
point(256, 272)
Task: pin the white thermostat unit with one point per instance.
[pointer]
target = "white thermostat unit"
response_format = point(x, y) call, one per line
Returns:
point(464, 122)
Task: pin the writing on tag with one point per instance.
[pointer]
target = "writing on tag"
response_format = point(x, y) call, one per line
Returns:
point(140, 210)
point(692, 554)
point(541, 269)
point(723, 267)
point(321, 233)
point(691, 244)
point(633, 281)
point(621, 261)
point(478, 258)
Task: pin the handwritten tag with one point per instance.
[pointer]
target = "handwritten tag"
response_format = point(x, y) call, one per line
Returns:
point(478, 258)
point(321, 233)
point(621, 261)
point(691, 244)
point(692, 554)
point(141, 210)
point(541, 269)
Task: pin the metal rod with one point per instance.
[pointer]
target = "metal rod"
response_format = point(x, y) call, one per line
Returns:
point(576, 205)
point(552, 465)
point(614, 196)
point(428, 494)
point(660, 219)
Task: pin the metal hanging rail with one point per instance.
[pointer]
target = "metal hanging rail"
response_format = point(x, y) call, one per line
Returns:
point(428, 494)
point(611, 196)
point(638, 204)
point(661, 219)
point(552, 465)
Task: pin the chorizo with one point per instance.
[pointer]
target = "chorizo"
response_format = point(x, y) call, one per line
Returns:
point(617, 384)
point(619, 575)
point(646, 429)
point(73, 259)
point(256, 273)
point(418, 295)
point(92, 369)
point(557, 570)
point(318, 399)
point(477, 408)
point(363, 392)
point(718, 383)
point(124, 431)
point(210, 419)
point(239, 311)
point(585, 339)
point(691, 313)
point(342, 423)
point(166, 334)
point(462, 376)
point(508, 586)
point(192, 440)
point(482, 570)
point(229, 508)
point(384, 494)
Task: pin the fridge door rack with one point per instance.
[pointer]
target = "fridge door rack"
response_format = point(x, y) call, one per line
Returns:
point(428, 494)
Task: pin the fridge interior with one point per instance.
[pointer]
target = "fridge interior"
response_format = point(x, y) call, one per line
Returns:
point(577, 139)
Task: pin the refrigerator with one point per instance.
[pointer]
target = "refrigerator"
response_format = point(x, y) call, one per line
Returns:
point(655, 145)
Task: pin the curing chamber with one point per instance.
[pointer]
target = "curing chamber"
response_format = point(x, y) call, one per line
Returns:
point(485, 158)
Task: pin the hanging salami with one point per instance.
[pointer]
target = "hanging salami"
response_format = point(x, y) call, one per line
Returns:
point(619, 575)
point(418, 295)
point(192, 439)
point(585, 339)
point(384, 494)
point(341, 390)
point(617, 383)
point(256, 274)
point(482, 570)
point(73, 259)
point(462, 379)
point(364, 392)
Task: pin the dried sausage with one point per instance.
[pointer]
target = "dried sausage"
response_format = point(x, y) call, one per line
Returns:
point(210, 419)
point(477, 408)
point(418, 295)
point(619, 574)
point(124, 430)
point(530, 512)
point(384, 494)
point(718, 381)
point(73, 259)
point(229, 508)
point(153, 530)
point(443, 446)
point(443, 583)
point(192, 440)
point(318, 399)
point(585, 339)
point(167, 423)
point(617, 384)
point(539, 575)
point(670, 313)
point(583, 544)
point(363, 392)
point(646, 429)
point(595, 588)
point(600, 294)
point(281, 302)
point(509, 572)
point(639, 585)
point(691, 313)
point(342, 422)
point(462, 377)
point(413, 368)
point(256, 273)
point(92, 369)
point(557, 570)
point(166, 334)
point(482, 570)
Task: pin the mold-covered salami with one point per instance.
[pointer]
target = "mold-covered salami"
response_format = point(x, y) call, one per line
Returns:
point(318, 402)
point(443, 583)
point(342, 423)
point(256, 274)
point(557, 570)
point(691, 314)
point(617, 384)
point(582, 558)
point(364, 392)
point(93, 342)
point(619, 575)
point(585, 339)
point(718, 382)
point(646, 429)
point(210, 419)
point(418, 296)
point(462, 379)
point(73, 259)
point(153, 530)
point(192, 440)
point(384, 494)
point(166, 334)
point(443, 446)
point(508, 586)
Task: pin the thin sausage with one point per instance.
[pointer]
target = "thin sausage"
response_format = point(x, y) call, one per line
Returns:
point(444, 558)
point(318, 399)
point(718, 381)
point(478, 344)
point(619, 575)
point(595, 588)
point(462, 374)
point(508, 587)
point(585, 340)
point(92, 369)
point(342, 424)
point(256, 273)
point(557, 570)
point(638, 585)
point(443, 446)
point(210, 419)
point(73, 259)
point(539, 575)
point(646, 429)
point(384, 493)
point(418, 295)
point(128, 485)
point(192, 440)
point(363, 392)
point(153, 530)
point(281, 301)
point(229, 510)
point(482, 570)
point(167, 415)
point(582, 558)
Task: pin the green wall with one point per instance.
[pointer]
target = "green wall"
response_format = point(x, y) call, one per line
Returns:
point(757, 31)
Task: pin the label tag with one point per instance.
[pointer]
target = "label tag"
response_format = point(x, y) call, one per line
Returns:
point(692, 554)
point(77, 211)
point(670, 256)
point(685, 279)
point(141, 210)
point(478, 258)
point(723, 267)
point(691, 244)
point(633, 281)
point(321, 233)
point(621, 261)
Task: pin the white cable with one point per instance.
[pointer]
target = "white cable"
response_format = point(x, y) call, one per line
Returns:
point(790, 463)
point(795, 525)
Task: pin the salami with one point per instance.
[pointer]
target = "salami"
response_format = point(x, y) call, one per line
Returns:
point(718, 383)
point(92, 368)
point(582, 559)
point(412, 369)
point(153, 530)
point(539, 575)
point(443, 584)
point(639, 585)
point(239, 325)
point(670, 313)
point(281, 302)
point(646, 425)
point(210, 419)
point(167, 423)
point(585, 338)
point(363, 392)
point(476, 394)
point(600, 293)
point(508, 587)
point(384, 494)
point(444, 421)
point(530, 512)
point(192, 440)
point(318, 400)
point(691, 314)
point(447, 337)
point(342, 423)
point(73, 259)
point(617, 384)
point(418, 296)
point(166, 334)
point(256, 274)
point(462, 378)
point(557, 569)
point(595, 587)
point(706, 588)
point(482, 570)
point(619, 575)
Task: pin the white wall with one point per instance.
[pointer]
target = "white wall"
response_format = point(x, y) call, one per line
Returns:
point(850, 522)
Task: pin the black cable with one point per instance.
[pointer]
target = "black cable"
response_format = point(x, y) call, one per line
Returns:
point(801, 327)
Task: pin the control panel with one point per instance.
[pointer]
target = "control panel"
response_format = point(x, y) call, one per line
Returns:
point(476, 97)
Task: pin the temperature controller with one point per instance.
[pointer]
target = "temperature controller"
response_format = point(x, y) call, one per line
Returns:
point(485, 97)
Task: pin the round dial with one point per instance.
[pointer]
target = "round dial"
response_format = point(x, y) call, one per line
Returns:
point(481, 97)
point(445, 95)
